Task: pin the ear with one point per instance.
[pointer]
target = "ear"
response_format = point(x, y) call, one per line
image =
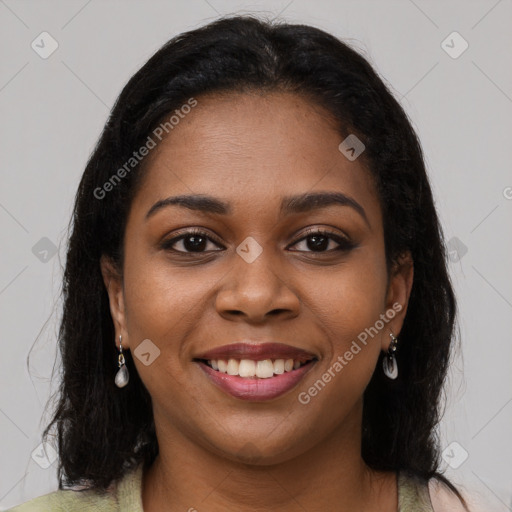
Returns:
point(397, 297)
point(114, 285)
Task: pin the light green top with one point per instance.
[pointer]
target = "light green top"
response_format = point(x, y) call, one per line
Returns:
point(413, 496)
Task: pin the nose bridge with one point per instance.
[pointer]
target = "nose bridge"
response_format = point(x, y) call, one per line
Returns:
point(254, 269)
point(254, 285)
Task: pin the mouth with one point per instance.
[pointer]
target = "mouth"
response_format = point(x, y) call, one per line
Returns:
point(256, 372)
point(256, 351)
point(255, 369)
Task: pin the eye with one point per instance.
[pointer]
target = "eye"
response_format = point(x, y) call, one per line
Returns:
point(319, 240)
point(193, 240)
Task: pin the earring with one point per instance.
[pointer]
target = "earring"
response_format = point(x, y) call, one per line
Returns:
point(389, 362)
point(122, 375)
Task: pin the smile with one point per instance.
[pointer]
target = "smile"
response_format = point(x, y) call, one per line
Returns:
point(253, 380)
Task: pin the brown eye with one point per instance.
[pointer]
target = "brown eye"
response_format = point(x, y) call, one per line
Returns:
point(324, 241)
point(192, 241)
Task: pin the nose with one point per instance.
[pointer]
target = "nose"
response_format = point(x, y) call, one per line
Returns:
point(254, 292)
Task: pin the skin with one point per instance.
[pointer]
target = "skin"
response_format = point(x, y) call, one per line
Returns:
point(217, 452)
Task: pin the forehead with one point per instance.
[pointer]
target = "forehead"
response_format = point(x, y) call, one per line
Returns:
point(249, 148)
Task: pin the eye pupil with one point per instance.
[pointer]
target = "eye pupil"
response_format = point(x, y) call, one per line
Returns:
point(316, 244)
point(198, 242)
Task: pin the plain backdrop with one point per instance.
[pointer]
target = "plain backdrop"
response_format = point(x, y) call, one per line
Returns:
point(459, 99)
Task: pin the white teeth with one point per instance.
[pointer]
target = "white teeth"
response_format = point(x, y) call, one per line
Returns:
point(233, 365)
point(247, 368)
point(279, 366)
point(263, 369)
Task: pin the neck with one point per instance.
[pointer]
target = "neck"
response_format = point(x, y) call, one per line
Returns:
point(187, 476)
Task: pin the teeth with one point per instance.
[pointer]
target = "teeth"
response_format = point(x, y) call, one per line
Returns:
point(233, 366)
point(279, 366)
point(263, 369)
point(246, 368)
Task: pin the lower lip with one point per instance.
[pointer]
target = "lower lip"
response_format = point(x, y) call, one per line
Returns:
point(255, 390)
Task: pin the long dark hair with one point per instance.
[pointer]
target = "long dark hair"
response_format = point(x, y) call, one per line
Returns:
point(103, 431)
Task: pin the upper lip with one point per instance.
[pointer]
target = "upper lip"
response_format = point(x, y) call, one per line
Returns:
point(257, 351)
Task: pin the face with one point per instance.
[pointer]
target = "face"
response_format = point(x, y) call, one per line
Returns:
point(312, 275)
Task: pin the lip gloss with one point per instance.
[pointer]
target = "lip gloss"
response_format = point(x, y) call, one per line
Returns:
point(255, 389)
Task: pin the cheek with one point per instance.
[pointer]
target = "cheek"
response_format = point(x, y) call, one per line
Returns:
point(161, 306)
point(348, 298)
point(347, 303)
point(161, 302)
point(350, 357)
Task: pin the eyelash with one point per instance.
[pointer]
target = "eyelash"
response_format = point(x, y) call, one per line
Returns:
point(344, 243)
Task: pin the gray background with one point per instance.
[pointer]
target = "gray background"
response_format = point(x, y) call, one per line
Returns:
point(53, 110)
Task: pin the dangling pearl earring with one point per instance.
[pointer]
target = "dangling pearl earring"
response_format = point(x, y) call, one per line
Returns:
point(389, 362)
point(122, 376)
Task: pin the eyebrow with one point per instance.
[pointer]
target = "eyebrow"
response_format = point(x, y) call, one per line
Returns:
point(289, 205)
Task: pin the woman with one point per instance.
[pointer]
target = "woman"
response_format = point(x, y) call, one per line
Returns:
point(257, 314)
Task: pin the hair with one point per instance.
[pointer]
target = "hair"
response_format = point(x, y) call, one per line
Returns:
point(103, 431)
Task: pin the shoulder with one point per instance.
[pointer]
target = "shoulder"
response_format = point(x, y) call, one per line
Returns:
point(69, 501)
point(417, 494)
point(125, 495)
point(413, 493)
point(443, 498)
